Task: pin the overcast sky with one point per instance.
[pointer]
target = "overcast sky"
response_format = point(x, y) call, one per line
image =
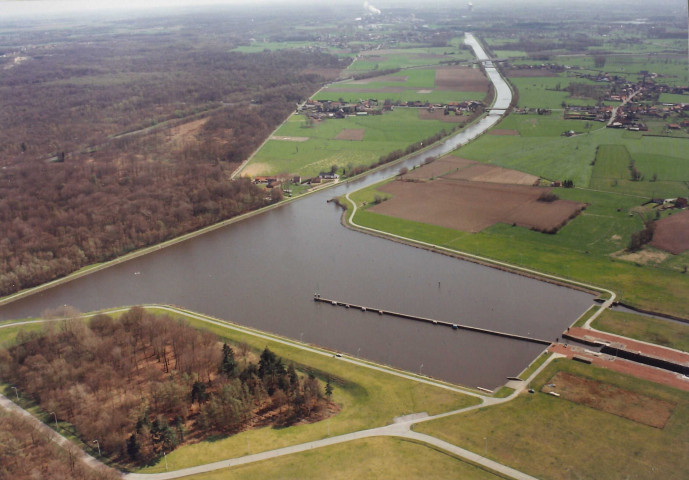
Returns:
point(11, 7)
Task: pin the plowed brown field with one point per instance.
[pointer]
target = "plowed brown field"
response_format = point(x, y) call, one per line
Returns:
point(454, 168)
point(439, 114)
point(611, 399)
point(351, 134)
point(475, 206)
point(461, 78)
point(672, 233)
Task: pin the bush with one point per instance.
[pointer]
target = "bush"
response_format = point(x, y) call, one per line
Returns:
point(547, 197)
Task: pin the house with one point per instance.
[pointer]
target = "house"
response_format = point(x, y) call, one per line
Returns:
point(264, 180)
point(328, 176)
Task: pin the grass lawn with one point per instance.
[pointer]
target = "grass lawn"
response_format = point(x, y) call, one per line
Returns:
point(553, 438)
point(382, 134)
point(9, 334)
point(641, 327)
point(394, 458)
point(588, 314)
point(533, 366)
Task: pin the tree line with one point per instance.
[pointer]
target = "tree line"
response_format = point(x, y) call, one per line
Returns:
point(144, 384)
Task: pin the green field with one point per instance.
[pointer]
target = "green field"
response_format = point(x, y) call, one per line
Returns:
point(612, 170)
point(410, 95)
point(412, 57)
point(668, 333)
point(673, 98)
point(394, 459)
point(553, 438)
point(383, 134)
point(540, 92)
point(540, 149)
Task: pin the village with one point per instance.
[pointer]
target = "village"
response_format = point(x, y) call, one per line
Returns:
point(326, 109)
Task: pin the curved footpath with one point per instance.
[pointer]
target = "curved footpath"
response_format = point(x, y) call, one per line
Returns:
point(401, 426)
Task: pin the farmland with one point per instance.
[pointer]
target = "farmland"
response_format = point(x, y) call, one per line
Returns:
point(591, 248)
point(434, 85)
point(614, 171)
point(382, 134)
point(472, 197)
point(393, 130)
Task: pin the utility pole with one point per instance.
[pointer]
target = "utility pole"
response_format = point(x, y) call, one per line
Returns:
point(53, 414)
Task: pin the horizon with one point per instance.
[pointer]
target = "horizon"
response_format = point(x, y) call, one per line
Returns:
point(41, 7)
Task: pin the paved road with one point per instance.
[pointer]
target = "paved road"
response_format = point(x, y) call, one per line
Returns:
point(63, 442)
point(624, 102)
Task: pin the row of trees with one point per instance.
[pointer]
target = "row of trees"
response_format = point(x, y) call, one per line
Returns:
point(143, 384)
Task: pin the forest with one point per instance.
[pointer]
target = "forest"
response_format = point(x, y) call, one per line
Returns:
point(111, 141)
point(142, 384)
point(27, 454)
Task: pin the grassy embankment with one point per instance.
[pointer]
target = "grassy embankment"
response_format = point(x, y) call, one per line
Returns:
point(582, 250)
point(654, 330)
point(553, 438)
point(394, 458)
point(368, 398)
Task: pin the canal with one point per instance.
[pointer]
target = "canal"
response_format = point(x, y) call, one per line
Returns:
point(263, 272)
